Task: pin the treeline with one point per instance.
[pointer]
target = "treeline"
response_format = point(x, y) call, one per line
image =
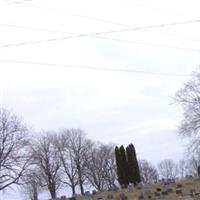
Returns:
point(68, 159)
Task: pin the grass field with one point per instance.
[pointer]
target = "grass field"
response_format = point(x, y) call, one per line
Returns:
point(187, 186)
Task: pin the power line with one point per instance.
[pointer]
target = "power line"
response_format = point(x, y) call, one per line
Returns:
point(35, 29)
point(178, 36)
point(149, 44)
point(105, 32)
point(94, 68)
point(87, 17)
point(164, 11)
point(112, 22)
point(77, 15)
point(10, 3)
point(98, 37)
point(96, 18)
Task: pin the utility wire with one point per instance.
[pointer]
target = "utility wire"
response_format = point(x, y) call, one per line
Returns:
point(96, 18)
point(104, 38)
point(77, 15)
point(98, 37)
point(35, 29)
point(10, 3)
point(94, 68)
point(114, 22)
point(149, 44)
point(72, 33)
point(87, 17)
point(105, 32)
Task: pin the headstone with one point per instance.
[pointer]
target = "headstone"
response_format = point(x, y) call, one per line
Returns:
point(179, 185)
point(122, 196)
point(87, 193)
point(147, 192)
point(168, 188)
point(110, 197)
point(164, 193)
point(178, 191)
point(192, 192)
point(72, 198)
point(141, 197)
point(157, 194)
point(158, 189)
point(63, 198)
point(99, 196)
point(94, 192)
point(130, 188)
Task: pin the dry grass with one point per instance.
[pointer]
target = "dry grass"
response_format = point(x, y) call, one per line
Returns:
point(187, 186)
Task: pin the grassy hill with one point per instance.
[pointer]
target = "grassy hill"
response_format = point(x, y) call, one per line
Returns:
point(185, 187)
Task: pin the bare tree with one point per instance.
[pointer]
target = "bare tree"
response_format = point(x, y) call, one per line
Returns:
point(189, 98)
point(47, 161)
point(110, 168)
point(148, 172)
point(95, 169)
point(101, 170)
point(192, 164)
point(168, 169)
point(79, 145)
point(68, 169)
point(31, 184)
point(182, 168)
point(14, 158)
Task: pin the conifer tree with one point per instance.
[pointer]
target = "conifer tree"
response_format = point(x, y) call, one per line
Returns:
point(124, 166)
point(119, 167)
point(133, 164)
point(130, 163)
point(127, 166)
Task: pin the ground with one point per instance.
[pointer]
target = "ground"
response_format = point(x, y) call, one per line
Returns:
point(187, 186)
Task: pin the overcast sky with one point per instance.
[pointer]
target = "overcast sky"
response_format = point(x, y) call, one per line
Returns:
point(121, 107)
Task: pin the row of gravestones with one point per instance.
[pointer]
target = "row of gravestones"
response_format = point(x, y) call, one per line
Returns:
point(166, 190)
point(147, 193)
point(121, 196)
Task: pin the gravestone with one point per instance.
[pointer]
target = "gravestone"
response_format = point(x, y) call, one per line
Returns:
point(131, 188)
point(140, 197)
point(94, 192)
point(168, 188)
point(63, 198)
point(178, 191)
point(72, 198)
point(158, 189)
point(87, 193)
point(192, 192)
point(99, 196)
point(122, 196)
point(147, 192)
point(110, 197)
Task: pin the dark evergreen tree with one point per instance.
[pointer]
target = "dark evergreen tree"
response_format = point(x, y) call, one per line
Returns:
point(119, 167)
point(124, 166)
point(127, 166)
point(133, 165)
point(198, 171)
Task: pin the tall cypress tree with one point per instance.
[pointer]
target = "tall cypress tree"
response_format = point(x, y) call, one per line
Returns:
point(119, 166)
point(134, 163)
point(124, 166)
point(127, 166)
point(131, 166)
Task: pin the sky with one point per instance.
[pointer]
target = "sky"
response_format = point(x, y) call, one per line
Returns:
point(107, 67)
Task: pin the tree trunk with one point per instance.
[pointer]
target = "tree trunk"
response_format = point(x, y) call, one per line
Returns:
point(73, 190)
point(35, 193)
point(81, 187)
point(52, 191)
